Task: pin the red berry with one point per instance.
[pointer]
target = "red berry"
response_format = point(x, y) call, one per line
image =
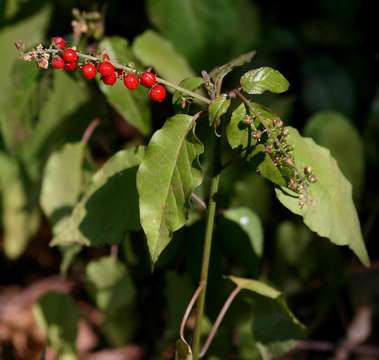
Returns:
point(158, 93)
point(110, 79)
point(89, 71)
point(59, 42)
point(70, 55)
point(131, 81)
point(70, 66)
point(148, 79)
point(57, 63)
point(106, 68)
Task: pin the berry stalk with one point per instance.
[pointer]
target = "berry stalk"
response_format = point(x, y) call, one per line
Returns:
point(130, 69)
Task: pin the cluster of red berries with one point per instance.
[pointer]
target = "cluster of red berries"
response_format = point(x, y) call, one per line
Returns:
point(109, 75)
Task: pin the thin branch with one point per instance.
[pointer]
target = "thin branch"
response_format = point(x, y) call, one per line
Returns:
point(198, 200)
point(89, 130)
point(188, 311)
point(129, 69)
point(218, 321)
point(114, 251)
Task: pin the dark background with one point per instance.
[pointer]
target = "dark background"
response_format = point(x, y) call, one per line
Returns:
point(328, 50)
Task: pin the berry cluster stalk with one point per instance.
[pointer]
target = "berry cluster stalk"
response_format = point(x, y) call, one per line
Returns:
point(130, 69)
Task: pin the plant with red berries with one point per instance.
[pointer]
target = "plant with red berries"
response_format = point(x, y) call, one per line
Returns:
point(169, 172)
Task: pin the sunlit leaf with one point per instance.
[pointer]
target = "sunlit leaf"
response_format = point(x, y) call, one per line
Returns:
point(166, 179)
point(335, 132)
point(331, 212)
point(263, 79)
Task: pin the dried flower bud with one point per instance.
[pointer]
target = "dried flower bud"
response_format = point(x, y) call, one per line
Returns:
point(277, 122)
point(307, 170)
point(256, 134)
point(292, 184)
point(183, 103)
point(43, 63)
point(247, 120)
point(288, 161)
point(232, 94)
point(269, 149)
point(285, 132)
point(30, 56)
point(302, 201)
point(20, 45)
point(289, 148)
point(300, 188)
point(312, 179)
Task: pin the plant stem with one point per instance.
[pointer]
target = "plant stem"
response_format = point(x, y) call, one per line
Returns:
point(188, 311)
point(205, 263)
point(129, 69)
point(220, 317)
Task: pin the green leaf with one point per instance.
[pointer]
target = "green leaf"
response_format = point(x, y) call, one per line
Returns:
point(250, 223)
point(276, 330)
point(58, 317)
point(166, 179)
point(30, 30)
point(113, 291)
point(331, 213)
point(64, 101)
point(256, 287)
point(16, 105)
point(220, 72)
point(335, 132)
point(20, 220)
point(62, 181)
point(263, 79)
point(183, 350)
point(192, 83)
point(239, 136)
point(154, 50)
point(206, 27)
point(132, 105)
point(109, 206)
point(217, 108)
point(109, 284)
point(238, 133)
